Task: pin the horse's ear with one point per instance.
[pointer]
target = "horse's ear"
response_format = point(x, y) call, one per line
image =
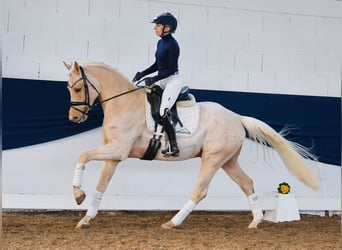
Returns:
point(76, 66)
point(67, 65)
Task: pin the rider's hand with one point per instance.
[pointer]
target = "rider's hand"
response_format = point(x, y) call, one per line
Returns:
point(137, 76)
point(150, 80)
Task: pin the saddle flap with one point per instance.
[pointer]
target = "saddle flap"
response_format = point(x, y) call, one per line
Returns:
point(154, 96)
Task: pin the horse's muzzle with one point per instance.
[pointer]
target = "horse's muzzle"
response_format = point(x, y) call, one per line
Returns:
point(78, 116)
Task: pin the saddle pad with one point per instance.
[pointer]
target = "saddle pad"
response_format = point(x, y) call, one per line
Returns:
point(189, 117)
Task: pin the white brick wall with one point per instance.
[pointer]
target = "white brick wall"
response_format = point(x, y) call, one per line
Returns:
point(48, 6)
point(104, 8)
point(39, 46)
point(277, 62)
point(12, 44)
point(270, 46)
point(72, 47)
point(74, 8)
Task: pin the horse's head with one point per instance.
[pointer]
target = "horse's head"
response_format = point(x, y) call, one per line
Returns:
point(82, 93)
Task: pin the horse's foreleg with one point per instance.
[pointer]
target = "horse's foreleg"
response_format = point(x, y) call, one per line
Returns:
point(106, 175)
point(233, 169)
point(105, 152)
point(200, 192)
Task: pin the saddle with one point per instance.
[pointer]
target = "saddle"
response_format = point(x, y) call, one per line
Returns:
point(154, 96)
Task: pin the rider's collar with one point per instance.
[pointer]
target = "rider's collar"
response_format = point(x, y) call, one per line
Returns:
point(166, 35)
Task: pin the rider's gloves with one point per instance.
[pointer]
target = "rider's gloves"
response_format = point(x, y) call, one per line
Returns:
point(150, 80)
point(137, 76)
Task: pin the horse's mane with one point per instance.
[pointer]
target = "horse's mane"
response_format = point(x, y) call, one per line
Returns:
point(97, 64)
point(106, 67)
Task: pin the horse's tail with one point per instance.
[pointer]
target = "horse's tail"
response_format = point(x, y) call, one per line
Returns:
point(291, 153)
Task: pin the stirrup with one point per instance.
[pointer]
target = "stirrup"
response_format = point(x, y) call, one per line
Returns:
point(168, 152)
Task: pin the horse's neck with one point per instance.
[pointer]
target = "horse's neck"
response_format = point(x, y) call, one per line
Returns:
point(114, 92)
point(116, 89)
point(117, 104)
point(112, 85)
point(124, 115)
point(109, 82)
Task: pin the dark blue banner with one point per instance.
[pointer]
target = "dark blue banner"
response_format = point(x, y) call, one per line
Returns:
point(37, 111)
point(316, 121)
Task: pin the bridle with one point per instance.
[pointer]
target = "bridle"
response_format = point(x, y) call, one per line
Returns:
point(86, 101)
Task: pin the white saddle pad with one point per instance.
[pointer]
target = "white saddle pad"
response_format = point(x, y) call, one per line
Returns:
point(189, 117)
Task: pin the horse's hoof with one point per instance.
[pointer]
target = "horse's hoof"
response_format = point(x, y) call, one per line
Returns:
point(168, 225)
point(254, 224)
point(80, 198)
point(82, 225)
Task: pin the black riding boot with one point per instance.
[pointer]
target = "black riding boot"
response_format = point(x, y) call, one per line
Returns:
point(172, 150)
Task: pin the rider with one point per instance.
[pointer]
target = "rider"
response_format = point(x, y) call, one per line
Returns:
point(166, 64)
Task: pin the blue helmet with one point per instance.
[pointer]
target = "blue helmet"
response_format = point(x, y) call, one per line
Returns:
point(166, 19)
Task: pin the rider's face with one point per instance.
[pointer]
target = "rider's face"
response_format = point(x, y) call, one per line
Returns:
point(158, 28)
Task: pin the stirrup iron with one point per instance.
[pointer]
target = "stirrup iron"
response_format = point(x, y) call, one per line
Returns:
point(169, 152)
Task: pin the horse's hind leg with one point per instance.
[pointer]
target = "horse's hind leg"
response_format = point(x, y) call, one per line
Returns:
point(233, 169)
point(106, 175)
point(207, 172)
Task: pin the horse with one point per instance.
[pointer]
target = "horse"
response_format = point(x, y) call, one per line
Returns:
point(217, 140)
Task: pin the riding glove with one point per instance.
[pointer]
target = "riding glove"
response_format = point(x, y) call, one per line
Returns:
point(138, 76)
point(150, 80)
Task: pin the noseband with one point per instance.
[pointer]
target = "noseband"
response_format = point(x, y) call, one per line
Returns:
point(86, 101)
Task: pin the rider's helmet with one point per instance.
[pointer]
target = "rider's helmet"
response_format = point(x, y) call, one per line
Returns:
point(166, 19)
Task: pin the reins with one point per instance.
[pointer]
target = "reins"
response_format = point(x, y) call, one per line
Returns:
point(124, 93)
point(87, 99)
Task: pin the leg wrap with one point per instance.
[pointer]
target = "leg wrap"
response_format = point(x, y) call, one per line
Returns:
point(183, 213)
point(78, 175)
point(92, 211)
point(256, 211)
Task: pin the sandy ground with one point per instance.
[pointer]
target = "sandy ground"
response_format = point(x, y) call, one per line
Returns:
point(142, 230)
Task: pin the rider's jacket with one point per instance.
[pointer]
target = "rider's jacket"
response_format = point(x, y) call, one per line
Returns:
point(167, 55)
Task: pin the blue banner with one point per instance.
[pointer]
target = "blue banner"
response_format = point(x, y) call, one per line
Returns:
point(36, 111)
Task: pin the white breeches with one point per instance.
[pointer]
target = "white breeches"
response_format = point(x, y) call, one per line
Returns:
point(172, 85)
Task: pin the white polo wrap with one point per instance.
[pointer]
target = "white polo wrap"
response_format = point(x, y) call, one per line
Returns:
point(78, 175)
point(183, 213)
point(256, 210)
point(94, 207)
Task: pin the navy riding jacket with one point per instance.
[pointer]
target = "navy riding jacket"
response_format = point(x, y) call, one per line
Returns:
point(167, 55)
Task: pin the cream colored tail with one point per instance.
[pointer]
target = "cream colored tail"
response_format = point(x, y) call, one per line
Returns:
point(291, 153)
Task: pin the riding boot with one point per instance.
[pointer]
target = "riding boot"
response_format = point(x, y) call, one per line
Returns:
point(172, 150)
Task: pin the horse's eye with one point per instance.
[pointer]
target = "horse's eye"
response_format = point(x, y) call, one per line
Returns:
point(77, 90)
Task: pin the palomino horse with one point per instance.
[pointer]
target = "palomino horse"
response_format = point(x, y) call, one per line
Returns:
point(217, 140)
